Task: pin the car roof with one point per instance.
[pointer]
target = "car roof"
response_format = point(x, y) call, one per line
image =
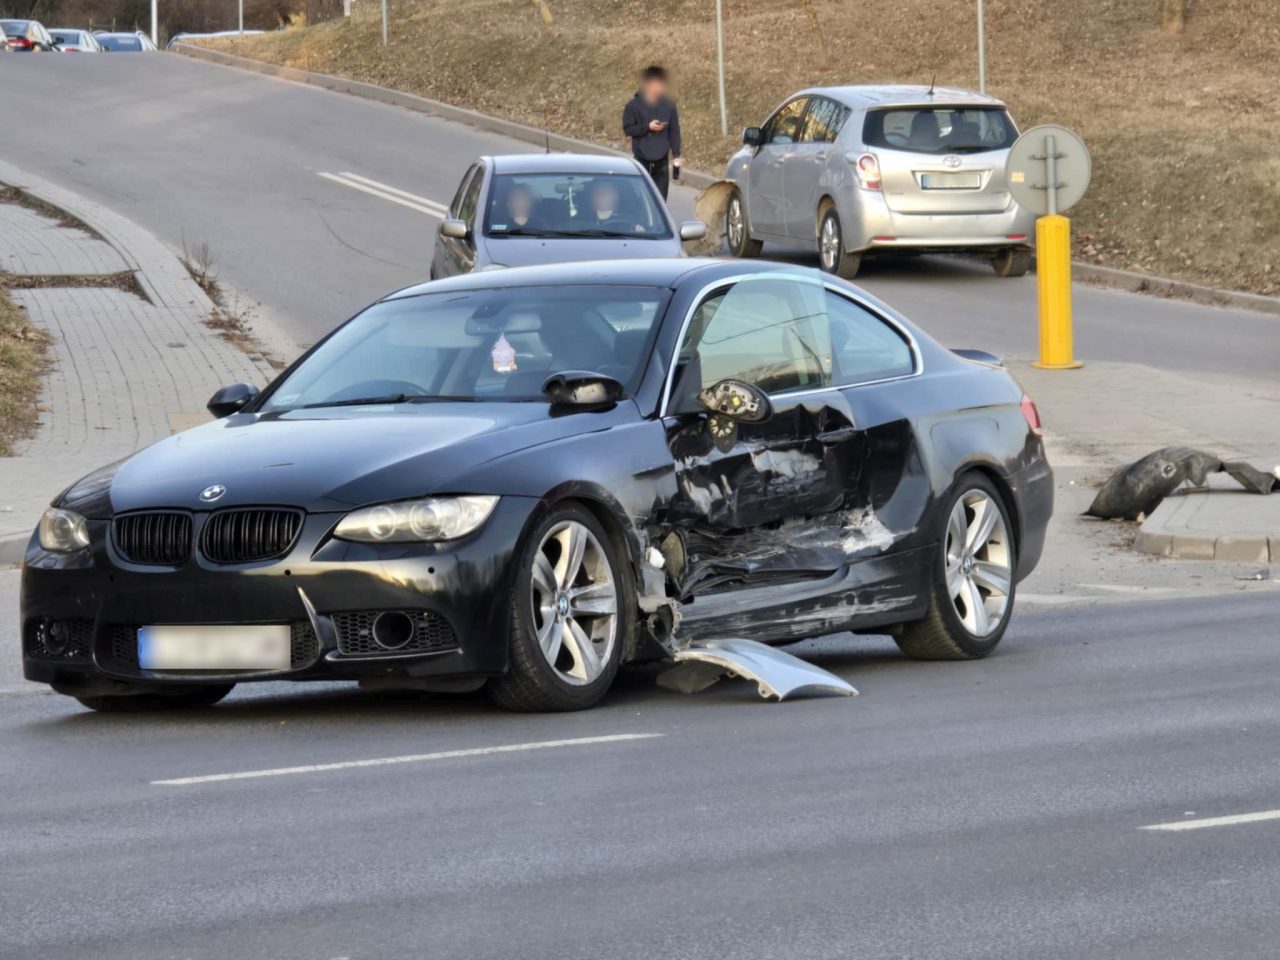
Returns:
point(589, 163)
point(654, 272)
point(895, 94)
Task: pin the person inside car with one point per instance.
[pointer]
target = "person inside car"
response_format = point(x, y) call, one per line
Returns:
point(602, 212)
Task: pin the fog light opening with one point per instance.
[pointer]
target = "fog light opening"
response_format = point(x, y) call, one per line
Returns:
point(392, 630)
point(53, 636)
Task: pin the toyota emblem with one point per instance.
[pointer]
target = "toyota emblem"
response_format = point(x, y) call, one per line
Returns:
point(212, 493)
point(951, 162)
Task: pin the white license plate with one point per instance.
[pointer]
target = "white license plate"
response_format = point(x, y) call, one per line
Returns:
point(214, 647)
point(950, 181)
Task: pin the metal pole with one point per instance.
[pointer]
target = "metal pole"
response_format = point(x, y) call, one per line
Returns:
point(240, 11)
point(982, 47)
point(1051, 172)
point(384, 22)
point(155, 26)
point(724, 113)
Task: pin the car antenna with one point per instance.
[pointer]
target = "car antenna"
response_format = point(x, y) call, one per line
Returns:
point(932, 80)
point(547, 139)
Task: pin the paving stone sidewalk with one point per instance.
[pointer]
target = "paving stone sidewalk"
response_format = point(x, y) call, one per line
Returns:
point(126, 371)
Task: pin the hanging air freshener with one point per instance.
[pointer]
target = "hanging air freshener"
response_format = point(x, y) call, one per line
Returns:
point(504, 355)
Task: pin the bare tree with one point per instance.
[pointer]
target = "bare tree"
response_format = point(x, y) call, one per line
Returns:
point(1175, 15)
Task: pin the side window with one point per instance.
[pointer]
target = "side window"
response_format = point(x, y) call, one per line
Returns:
point(823, 121)
point(863, 346)
point(467, 209)
point(455, 207)
point(784, 126)
point(770, 332)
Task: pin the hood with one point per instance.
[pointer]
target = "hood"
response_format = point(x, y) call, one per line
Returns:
point(328, 460)
point(534, 251)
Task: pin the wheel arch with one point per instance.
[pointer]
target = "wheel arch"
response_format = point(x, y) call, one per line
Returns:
point(1001, 483)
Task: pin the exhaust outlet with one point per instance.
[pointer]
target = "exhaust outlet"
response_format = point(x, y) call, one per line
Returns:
point(392, 629)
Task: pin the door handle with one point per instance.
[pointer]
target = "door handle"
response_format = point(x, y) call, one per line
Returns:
point(829, 438)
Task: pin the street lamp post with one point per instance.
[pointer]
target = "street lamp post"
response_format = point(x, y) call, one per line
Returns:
point(240, 13)
point(724, 113)
point(384, 22)
point(155, 26)
point(982, 47)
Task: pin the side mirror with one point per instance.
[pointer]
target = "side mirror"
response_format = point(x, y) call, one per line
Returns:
point(736, 400)
point(753, 136)
point(231, 399)
point(582, 388)
point(693, 230)
point(454, 229)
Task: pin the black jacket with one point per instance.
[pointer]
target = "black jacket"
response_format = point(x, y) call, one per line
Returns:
point(645, 144)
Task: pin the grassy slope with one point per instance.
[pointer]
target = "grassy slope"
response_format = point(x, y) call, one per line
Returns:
point(1186, 172)
point(22, 360)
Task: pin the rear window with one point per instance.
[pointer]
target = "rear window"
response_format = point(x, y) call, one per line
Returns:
point(15, 28)
point(940, 129)
point(120, 43)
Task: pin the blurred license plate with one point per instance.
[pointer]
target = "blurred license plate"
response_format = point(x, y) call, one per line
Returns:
point(238, 647)
point(951, 181)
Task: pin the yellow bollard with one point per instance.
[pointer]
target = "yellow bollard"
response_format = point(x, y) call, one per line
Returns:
point(1053, 275)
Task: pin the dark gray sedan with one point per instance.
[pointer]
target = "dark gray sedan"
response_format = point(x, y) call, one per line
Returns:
point(528, 209)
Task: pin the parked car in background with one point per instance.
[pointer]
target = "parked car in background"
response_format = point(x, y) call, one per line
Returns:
point(75, 41)
point(125, 42)
point(523, 209)
point(28, 36)
point(858, 171)
point(469, 483)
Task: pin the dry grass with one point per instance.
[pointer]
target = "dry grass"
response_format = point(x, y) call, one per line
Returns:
point(23, 358)
point(1187, 178)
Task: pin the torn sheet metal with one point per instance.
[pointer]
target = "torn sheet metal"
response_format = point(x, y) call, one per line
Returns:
point(777, 675)
point(1136, 490)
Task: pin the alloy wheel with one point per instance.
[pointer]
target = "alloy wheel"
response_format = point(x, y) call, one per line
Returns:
point(736, 226)
point(979, 563)
point(575, 603)
point(829, 243)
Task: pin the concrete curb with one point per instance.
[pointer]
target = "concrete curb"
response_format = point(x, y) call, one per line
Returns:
point(1080, 271)
point(1193, 526)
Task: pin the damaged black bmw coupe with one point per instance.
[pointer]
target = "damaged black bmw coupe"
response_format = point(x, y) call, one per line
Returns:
point(524, 478)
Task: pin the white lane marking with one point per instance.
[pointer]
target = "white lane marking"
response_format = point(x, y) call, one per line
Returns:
point(1215, 821)
point(396, 190)
point(383, 192)
point(411, 758)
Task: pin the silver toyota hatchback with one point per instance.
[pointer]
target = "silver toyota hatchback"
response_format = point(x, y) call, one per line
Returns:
point(857, 171)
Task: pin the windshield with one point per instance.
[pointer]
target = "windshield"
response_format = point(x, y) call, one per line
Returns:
point(940, 129)
point(120, 43)
point(498, 345)
point(574, 205)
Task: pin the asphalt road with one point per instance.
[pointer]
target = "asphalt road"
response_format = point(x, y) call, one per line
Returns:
point(203, 154)
point(985, 810)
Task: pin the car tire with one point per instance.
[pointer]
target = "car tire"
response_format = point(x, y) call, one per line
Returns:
point(737, 229)
point(832, 255)
point(169, 699)
point(1011, 263)
point(565, 644)
point(954, 628)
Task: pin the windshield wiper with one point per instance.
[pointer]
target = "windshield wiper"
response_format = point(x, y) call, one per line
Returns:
point(361, 401)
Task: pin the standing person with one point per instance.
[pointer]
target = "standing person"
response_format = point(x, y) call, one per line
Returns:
point(652, 122)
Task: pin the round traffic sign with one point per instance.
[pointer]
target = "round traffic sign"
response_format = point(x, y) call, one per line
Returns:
point(1027, 168)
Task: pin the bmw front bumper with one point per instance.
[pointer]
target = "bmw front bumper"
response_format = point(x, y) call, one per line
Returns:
point(80, 612)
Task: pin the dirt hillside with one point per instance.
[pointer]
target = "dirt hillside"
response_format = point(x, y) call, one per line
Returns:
point(1182, 127)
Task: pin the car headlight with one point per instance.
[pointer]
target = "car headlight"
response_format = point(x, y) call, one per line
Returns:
point(63, 531)
point(434, 518)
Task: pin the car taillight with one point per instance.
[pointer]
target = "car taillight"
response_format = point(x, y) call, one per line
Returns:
point(19, 42)
point(869, 171)
point(1031, 414)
